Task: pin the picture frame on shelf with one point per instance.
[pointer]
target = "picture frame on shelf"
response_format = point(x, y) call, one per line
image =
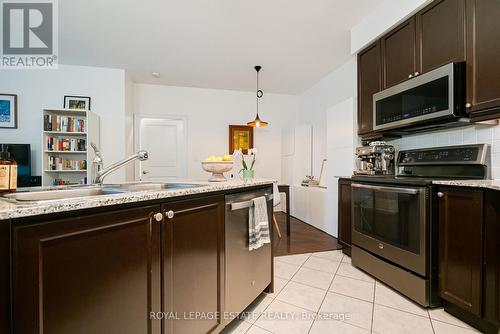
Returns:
point(77, 102)
point(8, 111)
point(240, 137)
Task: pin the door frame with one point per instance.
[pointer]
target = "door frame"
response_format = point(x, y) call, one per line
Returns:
point(183, 160)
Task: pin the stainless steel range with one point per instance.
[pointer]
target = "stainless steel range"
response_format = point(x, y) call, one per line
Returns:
point(394, 218)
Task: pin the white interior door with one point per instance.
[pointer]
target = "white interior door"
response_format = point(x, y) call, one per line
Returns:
point(165, 140)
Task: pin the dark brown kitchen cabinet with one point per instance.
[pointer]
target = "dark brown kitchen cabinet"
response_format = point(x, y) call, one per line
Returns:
point(95, 273)
point(344, 215)
point(398, 54)
point(440, 29)
point(192, 242)
point(369, 83)
point(5, 279)
point(460, 248)
point(483, 66)
point(492, 257)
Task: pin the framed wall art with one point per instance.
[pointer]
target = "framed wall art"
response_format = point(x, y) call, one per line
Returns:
point(8, 111)
point(77, 102)
point(240, 137)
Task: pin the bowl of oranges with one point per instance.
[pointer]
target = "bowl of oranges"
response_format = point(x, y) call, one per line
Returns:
point(217, 165)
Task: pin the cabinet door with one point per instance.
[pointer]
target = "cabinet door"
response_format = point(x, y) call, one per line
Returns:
point(492, 257)
point(5, 279)
point(483, 50)
point(440, 34)
point(193, 242)
point(98, 273)
point(460, 247)
point(369, 83)
point(345, 214)
point(399, 54)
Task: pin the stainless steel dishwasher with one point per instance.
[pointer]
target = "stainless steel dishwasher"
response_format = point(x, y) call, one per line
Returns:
point(247, 273)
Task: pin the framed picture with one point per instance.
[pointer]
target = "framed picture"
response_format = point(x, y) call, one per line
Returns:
point(8, 111)
point(240, 137)
point(77, 102)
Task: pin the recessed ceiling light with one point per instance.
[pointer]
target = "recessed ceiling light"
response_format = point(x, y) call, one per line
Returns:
point(156, 74)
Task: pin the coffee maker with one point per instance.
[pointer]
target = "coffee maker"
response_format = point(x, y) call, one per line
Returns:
point(375, 159)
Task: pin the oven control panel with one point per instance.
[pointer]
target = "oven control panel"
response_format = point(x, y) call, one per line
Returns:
point(465, 154)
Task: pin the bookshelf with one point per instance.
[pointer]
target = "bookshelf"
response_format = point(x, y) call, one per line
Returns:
point(66, 137)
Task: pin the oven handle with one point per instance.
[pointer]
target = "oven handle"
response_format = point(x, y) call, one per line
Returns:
point(411, 191)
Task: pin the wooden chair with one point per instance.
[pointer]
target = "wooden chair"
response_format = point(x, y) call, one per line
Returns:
point(276, 202)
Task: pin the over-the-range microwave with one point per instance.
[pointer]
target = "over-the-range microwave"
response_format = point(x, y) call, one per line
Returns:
point(430, 99)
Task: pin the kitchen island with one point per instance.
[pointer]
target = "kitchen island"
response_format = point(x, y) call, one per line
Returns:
point(151, 261)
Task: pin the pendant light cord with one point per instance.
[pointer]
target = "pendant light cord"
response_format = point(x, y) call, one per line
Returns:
point(257, 92)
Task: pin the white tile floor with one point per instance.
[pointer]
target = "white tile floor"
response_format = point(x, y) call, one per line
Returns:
point(310, 287)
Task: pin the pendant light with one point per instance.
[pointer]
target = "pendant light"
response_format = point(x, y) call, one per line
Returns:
point(257, 123)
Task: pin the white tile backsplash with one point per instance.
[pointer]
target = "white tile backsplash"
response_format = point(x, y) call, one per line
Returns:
point(496, 132)
point(467, 135)
point(484, 135)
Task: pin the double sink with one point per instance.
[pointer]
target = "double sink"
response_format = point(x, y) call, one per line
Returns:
point(92, 190)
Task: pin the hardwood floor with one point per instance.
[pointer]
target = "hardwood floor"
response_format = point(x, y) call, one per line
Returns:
point(304, 238)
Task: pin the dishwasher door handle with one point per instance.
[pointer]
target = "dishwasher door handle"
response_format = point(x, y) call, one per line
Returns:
point(247, 204)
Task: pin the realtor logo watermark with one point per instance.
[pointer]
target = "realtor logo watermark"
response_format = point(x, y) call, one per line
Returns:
point(29, 33)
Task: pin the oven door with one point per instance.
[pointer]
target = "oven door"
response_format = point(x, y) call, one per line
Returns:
point(391, 222)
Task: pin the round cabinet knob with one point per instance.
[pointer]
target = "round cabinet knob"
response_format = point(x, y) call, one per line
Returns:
point(158, 217)
point(468, 105)
point(145, 172)
point(410, 76)
point(417, 73)
point(169, 214)
point(440, 194)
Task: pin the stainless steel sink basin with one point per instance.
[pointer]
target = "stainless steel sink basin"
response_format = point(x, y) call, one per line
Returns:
point(152, 186)
point(86, 191)
point(56, 194)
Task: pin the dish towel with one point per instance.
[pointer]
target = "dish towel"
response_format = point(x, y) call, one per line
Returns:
point(258, 224)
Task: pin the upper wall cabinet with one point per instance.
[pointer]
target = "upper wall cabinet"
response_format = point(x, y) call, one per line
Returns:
point(399, 54)
point(440, 29)
point(443, 32)
point(369, 83)
point(483, 54)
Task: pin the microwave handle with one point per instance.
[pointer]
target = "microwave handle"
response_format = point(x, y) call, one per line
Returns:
point(411, 191)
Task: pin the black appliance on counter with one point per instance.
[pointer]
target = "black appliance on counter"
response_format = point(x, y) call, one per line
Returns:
point(394, 218)
point(429, 101)
point(22, 154)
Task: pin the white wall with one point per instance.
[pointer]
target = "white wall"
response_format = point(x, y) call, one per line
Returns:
point(338, 86)
point(129, 125)
point(38, 89)
point(210, 111)
point(386, 16)
point(330, 106)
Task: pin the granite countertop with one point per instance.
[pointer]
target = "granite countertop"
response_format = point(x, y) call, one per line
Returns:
point(11, 210)
point(487, 184)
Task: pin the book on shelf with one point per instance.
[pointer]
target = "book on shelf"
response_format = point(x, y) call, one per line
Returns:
point(62, 182)
point(61, 144)
point(63, 123)
point(58, 163)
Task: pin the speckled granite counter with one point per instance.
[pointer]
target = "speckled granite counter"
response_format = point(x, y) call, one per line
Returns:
point(11, 210)
point(487, 184)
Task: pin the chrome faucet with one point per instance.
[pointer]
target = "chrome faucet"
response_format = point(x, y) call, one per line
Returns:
point(97, 163)
point(102, 173)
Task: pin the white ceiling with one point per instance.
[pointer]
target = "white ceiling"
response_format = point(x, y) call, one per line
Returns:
point(212, 43)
